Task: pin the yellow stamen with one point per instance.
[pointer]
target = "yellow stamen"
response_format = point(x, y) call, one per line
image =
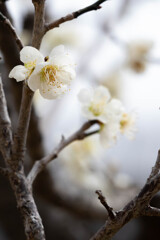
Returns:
point(48, 73)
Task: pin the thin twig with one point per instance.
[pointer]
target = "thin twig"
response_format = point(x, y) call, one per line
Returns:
point(79, 135)
point(76, 14)
point(102, 199)
point(151, 211)
point(8, 24)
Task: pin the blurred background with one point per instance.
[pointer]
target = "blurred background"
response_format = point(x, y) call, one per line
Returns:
point(117, 46)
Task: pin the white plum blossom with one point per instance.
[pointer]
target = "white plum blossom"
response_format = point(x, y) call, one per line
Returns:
point(51, 75)
point(30, 56)
point(97, 104)
point(94, 103)
point(109, 133)
point(127, 124)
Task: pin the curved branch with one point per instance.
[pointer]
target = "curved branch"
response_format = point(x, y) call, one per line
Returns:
point(76, 14)
point(79, 135)
point(8, 24)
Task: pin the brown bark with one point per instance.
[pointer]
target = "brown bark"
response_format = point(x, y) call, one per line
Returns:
point(32, 222)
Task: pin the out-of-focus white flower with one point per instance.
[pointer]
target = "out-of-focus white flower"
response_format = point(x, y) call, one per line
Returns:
point(51, 75)
point(94, 103)
point(127, 124)
point(137, 54)
point(30, 56)
point(114, 110)
point(111, 112)
point(79, 158)
point(109, 133)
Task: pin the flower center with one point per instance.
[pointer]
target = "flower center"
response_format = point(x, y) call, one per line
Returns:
point(97, 108)
point(30, 67)
point(48, 74)
point(124, 121)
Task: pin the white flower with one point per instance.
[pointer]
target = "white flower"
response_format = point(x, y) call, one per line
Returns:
point(114, 110)
point(94, 103)
point(30, 56)
point(51, 75)
point(110, 112)
point(127, 124)
point(109, 133)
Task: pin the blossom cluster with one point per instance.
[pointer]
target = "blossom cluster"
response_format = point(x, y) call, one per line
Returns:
point(51, 75)
point(98, 104)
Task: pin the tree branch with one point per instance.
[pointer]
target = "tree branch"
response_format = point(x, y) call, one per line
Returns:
point(8, 24)
point(137, 207)
point(111, 213)
point(32, 221)
point(38, 28)
point(20, 136)
point(5, 126)
point(151, 211)
point(79, 135)
point(156, 168)
point(76, 14)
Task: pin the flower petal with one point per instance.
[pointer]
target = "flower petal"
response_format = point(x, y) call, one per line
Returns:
point(100, 93)
point(19, 73)
point(31, 54)
point(39, 67)
point(62, 60)
point(57, 51)
point(115, 110)
point(51, 92)
point(34, 82)
point(108, 134)
point(66, 75)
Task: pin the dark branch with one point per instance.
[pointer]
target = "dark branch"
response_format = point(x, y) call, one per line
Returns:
point(156, 168)
point(74, 15)
point(8, 24)
point(38, 28)
point(139, 206)
point(151, 211)
point(102, 199)
point(5, 126)
point(20, 136)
